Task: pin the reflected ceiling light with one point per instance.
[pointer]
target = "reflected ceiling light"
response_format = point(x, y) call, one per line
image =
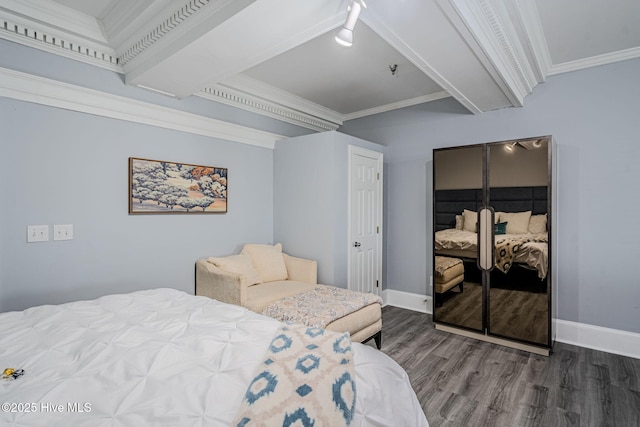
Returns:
point(537, 143)
point(510, 147)
point(345, 35)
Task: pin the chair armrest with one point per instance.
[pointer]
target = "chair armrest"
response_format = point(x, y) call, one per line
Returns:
point(301, 269)
point(219, 284)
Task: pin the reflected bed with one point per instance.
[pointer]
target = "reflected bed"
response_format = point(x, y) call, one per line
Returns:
point(530, 250)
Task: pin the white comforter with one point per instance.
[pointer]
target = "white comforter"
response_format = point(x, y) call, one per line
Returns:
point(160, 358)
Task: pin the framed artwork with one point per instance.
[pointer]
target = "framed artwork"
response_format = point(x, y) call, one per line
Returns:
point(159, 187)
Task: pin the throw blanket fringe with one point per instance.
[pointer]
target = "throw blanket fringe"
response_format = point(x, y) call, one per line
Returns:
point(307, 378)
point(319, 306)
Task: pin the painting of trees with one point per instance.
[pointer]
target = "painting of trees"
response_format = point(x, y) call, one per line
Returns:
point(166, 187)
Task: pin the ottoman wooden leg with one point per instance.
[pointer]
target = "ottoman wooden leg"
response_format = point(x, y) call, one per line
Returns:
point(378, 339)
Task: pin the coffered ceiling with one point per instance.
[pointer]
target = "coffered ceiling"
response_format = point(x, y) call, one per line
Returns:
point(279, 57)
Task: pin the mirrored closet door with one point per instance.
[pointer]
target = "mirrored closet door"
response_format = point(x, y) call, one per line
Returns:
point(492, 210)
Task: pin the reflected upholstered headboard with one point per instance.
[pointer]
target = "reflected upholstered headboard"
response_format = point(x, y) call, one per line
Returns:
point(449, 203)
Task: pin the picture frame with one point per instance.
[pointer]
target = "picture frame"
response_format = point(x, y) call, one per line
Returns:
point(162, 187)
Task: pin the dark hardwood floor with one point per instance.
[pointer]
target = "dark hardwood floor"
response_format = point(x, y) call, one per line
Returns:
point(465, 382)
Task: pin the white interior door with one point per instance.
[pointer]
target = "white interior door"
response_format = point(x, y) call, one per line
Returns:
point(365, 220)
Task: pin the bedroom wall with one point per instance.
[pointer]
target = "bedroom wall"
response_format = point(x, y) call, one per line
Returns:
point(310, 200)
point(64, 167)
point(593, 115)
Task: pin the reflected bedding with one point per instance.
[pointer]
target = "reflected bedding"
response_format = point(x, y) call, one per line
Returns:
point(527, 249)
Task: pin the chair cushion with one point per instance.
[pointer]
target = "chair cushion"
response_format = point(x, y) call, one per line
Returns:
point(240, 264)
point(258, 297)
point(268, 261)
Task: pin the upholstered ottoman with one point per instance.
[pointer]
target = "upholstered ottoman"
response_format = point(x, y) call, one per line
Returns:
point(332, 308)
point(449, 273)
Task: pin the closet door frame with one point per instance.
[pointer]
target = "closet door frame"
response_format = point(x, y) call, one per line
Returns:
point(433, 229)
point(543, 349)
point(549, 211)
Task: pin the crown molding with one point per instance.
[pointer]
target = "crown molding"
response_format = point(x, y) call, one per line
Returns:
point(176, 18)
point(496, 40)
point(250, 94)
point(535, 39)
point(594, 61)
point(39, 90)
point(49, 39)
point(225, 95)
point(19, 23)
point(56, 17)
point(396, 105)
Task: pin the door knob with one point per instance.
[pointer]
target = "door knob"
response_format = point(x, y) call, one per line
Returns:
point(357, 244)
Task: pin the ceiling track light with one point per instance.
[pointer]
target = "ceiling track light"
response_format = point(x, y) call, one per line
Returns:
point(345, 35)
point(510, 147)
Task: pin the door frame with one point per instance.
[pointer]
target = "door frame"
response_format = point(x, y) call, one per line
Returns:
point(379, 157)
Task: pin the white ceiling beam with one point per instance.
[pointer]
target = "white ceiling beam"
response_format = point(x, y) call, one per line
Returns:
point(490, 33)
point(256, 32)
point(533, 39)
point(438, 49)
point(168, 36)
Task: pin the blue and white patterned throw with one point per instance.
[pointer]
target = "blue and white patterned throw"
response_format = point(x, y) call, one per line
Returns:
point(307, 378)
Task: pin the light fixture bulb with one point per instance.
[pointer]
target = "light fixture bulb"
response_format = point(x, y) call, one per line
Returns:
point(345, 37)
point(509, 147)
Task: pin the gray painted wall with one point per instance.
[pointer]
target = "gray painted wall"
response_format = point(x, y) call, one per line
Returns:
point(61, 167)
point(64, 167)
point(310, 200)
point(593, 115)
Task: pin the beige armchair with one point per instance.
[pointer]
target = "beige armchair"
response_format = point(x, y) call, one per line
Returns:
point(263, 274)
point(237, 288)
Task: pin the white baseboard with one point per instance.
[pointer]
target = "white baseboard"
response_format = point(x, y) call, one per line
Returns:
point(579, 334)
point(408, 300)
point(598, 338)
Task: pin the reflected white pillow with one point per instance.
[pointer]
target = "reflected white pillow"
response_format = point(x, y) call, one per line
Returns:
point(459, 222)
point(470, 220)
point(517, 222)
point(240, 264)
point(268, 261)
point(538, 224)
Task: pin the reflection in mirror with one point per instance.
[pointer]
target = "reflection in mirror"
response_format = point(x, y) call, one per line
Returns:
point(518, 300)
point(457, 283)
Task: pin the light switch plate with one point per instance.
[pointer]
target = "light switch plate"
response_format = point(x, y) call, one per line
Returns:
point(63, 232)
point(37, 233)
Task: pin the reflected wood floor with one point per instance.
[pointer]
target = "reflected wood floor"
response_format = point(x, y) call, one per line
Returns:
point(465, 382)
point(514, 313)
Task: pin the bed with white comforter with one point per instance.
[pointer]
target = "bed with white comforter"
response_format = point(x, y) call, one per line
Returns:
point(161, 358)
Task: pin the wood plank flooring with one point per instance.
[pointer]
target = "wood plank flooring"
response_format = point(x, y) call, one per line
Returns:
point(465, 382)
